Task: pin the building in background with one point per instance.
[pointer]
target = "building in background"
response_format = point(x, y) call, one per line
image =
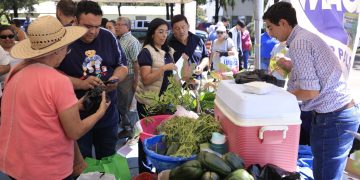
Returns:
point(241, 10)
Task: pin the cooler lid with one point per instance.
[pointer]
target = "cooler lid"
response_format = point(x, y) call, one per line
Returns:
point(278, 107)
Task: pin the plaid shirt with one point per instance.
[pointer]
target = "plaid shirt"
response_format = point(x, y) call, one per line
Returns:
point(315, 67)
point(131, 47)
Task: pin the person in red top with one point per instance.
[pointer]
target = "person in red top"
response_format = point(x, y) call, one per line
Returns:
point(245, 43)
point(40, 112)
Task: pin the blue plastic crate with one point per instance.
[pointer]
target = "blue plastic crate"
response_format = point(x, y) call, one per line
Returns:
point(159, 161)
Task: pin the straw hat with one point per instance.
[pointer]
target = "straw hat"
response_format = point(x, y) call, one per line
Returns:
point(45, 34)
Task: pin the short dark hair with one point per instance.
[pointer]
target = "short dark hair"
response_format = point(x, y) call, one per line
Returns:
point(86, 7)
point(281, 10)
point(178, 18)
point(224, 19)
point(67, 7)
point(103, 22)
point(7, 27)
point(16, 22)
point(153, 25)
point(240, 23)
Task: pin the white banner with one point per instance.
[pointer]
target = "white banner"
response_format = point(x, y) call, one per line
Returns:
point(336, 22)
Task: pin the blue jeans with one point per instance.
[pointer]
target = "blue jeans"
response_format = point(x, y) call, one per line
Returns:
point(104, 140)
point(245, 58)
point(330, 143)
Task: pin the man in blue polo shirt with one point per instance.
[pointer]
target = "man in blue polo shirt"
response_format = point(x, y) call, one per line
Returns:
point(188, 45)
point(92, 60)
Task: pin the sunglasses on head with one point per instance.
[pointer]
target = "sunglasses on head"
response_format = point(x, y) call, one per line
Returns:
point(219, 32)
point(7, 36)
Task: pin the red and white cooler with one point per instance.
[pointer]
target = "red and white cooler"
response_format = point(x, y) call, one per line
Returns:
point(261, 129)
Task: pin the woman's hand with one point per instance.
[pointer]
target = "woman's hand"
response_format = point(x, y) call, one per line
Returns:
point(169, 67)
point(103, 105)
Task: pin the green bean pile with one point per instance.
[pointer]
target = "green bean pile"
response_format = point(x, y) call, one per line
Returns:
point(186, 134)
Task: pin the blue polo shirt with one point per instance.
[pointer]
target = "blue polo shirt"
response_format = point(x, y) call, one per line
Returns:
point(195, 49)
point(267, 44)
point(100, 58)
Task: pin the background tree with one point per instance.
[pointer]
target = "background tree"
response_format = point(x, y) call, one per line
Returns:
point(218, 4)
point(7, 5)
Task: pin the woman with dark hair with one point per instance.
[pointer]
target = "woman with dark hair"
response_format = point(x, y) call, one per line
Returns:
point(156, 63)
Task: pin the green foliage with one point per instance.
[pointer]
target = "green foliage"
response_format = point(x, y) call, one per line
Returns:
point(199, 2)
point(200, 14)
point(167, 102)
point(176, 95)
point(6, 5)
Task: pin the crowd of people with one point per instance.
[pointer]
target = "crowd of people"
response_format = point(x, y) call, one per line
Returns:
point(45, 130)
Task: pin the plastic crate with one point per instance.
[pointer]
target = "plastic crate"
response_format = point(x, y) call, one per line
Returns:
point(159, 161)
point(149, 128)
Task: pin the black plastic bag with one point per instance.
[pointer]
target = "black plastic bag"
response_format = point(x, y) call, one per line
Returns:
point(257, 75)
point(273, 172)
point(93, 99)
point(255, 171)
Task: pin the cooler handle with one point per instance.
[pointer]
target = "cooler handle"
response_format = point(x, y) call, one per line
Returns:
point(272, 128)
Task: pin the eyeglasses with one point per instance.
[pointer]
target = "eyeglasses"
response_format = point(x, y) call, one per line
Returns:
point(219, 32)
point(7, 36)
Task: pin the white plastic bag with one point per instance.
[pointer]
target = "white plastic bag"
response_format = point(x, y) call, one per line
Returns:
point(258, 87)
point(96, 176)
point(181, 111)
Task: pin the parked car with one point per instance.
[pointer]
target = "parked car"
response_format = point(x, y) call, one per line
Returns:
point(140, 34)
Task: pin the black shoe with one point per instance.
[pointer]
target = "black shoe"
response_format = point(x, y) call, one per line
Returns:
point(125, 134)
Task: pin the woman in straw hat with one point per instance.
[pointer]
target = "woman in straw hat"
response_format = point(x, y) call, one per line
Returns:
point(40, 112)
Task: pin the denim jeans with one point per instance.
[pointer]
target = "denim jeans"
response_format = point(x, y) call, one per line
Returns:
point(102, 138)
point(330, 143)
point(245, 58)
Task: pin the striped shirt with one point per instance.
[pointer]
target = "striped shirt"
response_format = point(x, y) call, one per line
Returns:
point(315, 67)
point(131, 47)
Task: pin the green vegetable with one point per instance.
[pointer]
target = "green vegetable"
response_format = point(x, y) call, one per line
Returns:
point(190, 170)
point(214, 163)
point(174, 95)
point(234, 161)
point(174, 146)
point(210, 176)
point(240, 174)
point(188, 133)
